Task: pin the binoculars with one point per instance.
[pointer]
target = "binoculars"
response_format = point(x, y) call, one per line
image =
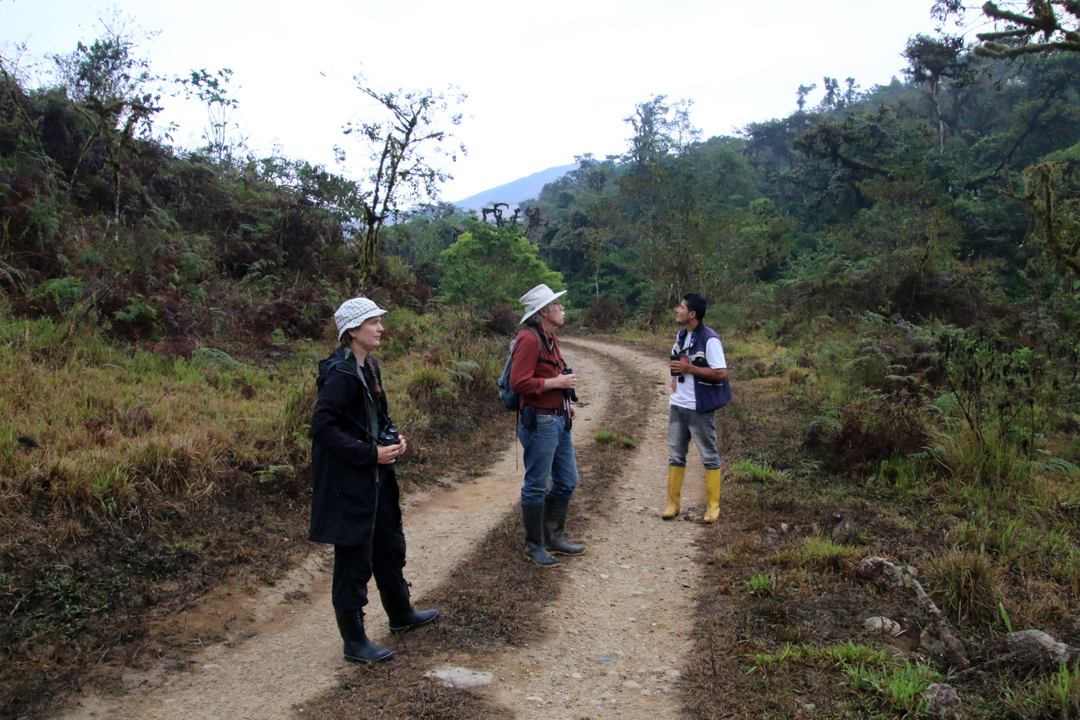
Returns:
point(570, 392)
point(675, 355)
point(390, 435)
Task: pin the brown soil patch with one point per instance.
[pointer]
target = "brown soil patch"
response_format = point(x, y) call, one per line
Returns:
point(295, 656)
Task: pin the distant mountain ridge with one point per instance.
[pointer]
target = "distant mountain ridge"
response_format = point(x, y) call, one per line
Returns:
point(513, 193)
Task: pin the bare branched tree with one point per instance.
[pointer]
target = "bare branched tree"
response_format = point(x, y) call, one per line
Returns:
point(404, 146)
point(108, 84)
point(224, 138)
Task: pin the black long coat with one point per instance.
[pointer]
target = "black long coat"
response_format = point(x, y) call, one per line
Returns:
point(346, 475)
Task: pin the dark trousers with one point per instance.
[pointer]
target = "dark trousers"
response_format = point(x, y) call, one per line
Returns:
point(383, 557)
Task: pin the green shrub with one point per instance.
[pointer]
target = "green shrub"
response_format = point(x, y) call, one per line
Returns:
point(137, 311)
point(211, 356)
point(424, 381)
point(818, 553)
point(905, 475)
point(604, 436)
point(900, 687)
point(489, 267)
point(1057, 696)
point(753, 472)
point(980, 458)
point(64, 292)
point(762, 585)
point(966, 585)
point(851, 654)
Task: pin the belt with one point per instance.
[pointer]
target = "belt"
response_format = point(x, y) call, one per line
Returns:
point(547, 411)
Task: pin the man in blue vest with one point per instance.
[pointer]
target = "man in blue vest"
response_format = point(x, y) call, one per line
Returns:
point(699, 387)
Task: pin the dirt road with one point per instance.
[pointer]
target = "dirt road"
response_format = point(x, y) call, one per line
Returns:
point(615, 636)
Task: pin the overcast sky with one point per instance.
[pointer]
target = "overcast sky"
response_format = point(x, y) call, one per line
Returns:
point(546, 81)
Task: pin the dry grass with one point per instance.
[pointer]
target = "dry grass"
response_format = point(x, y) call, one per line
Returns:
point(967, 586)
point(132, 481)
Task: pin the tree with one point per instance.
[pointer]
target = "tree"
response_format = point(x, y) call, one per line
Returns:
point(835, 98)
point(659, 129)
point(591, 232)
point(222, 134)
point(491, 267)
point(658, 193)
point(1057, 221)
point(592, 175)
point(932, 60)
point(402, 146)
point(1030, 27)
point(1037, 27)
point(421, 239)
point(107, 84)
point(1026, 21)
point(801, 94)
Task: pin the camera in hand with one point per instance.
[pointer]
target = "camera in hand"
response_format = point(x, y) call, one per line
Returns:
point(570, 392)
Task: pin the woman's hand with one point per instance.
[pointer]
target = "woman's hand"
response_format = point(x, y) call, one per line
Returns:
point(388, 454)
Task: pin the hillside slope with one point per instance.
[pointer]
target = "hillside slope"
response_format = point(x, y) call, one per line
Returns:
point(516, 191)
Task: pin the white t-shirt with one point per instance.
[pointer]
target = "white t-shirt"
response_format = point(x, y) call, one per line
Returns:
point(684, 391)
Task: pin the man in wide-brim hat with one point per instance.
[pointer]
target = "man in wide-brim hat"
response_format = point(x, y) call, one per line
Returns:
point(539, 375)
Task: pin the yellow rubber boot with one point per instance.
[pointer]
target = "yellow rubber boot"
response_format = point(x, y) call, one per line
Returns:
point(712, 495)
point(674, 490)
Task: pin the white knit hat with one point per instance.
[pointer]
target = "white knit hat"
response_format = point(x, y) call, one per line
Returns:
point(537, 299)
point(353, 313)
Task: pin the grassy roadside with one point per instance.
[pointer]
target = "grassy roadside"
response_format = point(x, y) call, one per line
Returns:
point(494, 600)
point(780, 629)
point(815, 435)
point(134, 480)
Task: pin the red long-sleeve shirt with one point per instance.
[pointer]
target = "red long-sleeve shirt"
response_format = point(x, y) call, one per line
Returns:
point(533, 362)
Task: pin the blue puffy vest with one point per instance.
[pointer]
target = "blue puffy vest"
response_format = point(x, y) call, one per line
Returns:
point(708, 396)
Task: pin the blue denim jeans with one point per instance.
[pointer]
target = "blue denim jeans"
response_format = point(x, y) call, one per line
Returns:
point(684, 424)
point(549, 456)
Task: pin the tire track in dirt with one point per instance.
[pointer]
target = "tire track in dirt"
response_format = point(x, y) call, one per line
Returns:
point(621, 628)
point(294, 653)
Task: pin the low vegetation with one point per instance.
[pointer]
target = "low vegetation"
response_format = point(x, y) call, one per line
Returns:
point(132, 480)
point(892, 270)
point(781, 629)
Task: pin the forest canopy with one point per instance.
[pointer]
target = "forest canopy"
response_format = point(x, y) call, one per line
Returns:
point(946, 193)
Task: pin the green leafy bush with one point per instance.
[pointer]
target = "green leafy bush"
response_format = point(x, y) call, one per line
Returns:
point(489, 267)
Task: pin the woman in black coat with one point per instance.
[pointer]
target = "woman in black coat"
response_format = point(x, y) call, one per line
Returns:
point(355, 499)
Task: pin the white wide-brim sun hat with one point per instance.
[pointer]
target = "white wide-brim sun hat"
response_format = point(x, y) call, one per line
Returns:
point(536, 299)
point(353, 313)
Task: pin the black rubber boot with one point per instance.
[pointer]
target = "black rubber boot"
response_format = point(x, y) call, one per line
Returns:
point(400, 612)
point(533, 517)
point(555, 510)
point(357, 646)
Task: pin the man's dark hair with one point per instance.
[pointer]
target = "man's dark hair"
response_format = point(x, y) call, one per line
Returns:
point(696, 304)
